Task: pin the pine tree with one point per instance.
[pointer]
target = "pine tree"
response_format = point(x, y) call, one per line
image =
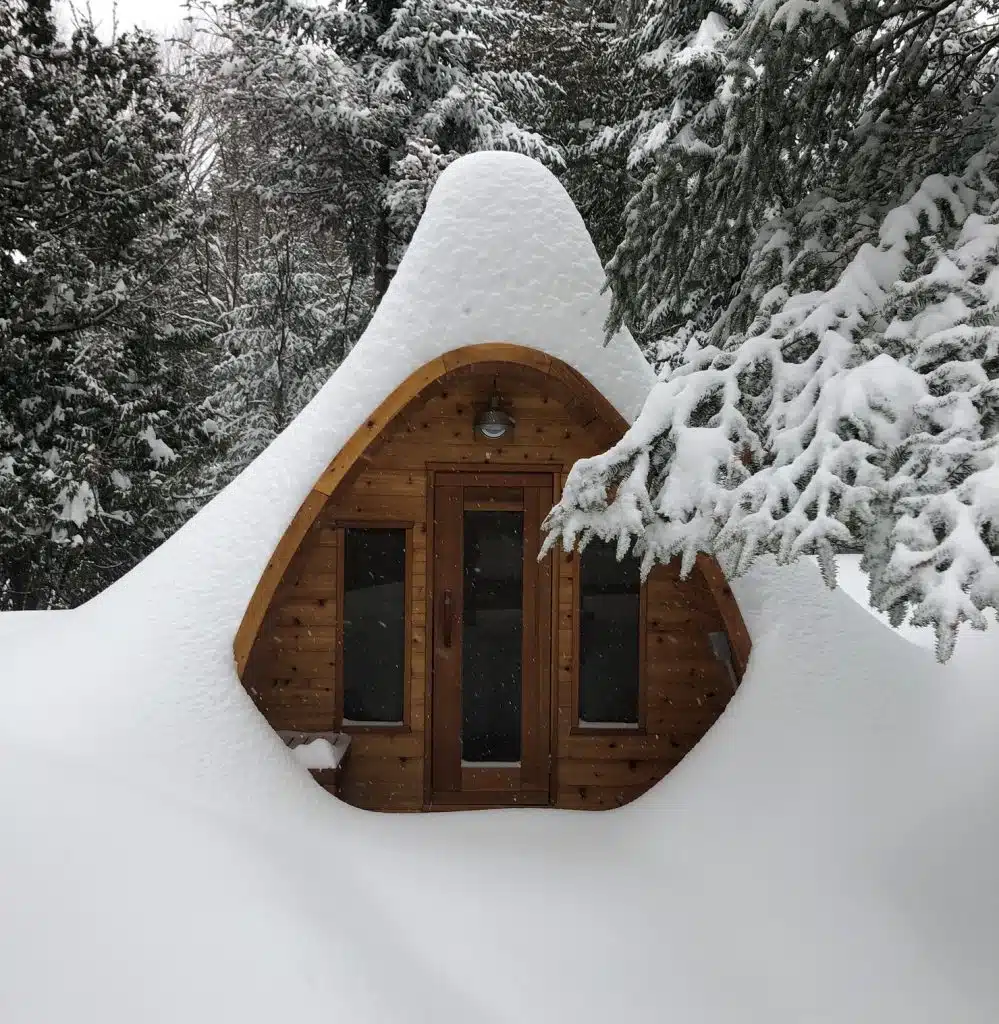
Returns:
point(280, 344)
point(574, 44)
point(671, 114)
point(368, 101)
point(97, 424)
point(814, 245)
point(780, 133)
point(270, 279)
point(864, 416)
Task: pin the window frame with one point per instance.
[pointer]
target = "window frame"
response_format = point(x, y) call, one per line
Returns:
point(577, 726)
point(358, 728)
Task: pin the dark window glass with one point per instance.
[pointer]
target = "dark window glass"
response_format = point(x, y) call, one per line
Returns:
point(374, 624)
point(492, 631)
point(608, 636)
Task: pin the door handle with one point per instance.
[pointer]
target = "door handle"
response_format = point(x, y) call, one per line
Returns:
point(447, 620)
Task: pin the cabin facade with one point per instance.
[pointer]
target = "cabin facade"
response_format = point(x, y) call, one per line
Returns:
point(406, 607)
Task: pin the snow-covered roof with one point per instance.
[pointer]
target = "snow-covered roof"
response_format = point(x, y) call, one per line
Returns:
point(501, 254)
point(829, 852)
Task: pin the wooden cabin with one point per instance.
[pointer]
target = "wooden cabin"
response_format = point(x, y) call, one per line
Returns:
point(406, 607)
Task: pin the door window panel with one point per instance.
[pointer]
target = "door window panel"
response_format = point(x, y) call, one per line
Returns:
point(492, 636)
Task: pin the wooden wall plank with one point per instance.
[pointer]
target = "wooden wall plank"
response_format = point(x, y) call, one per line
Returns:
point(302, 638)
point(735, 626)
point(386, 744)
point(383, 783)
point(381, 475)
point(635, 772)
point(599, 798)
point(618, 747)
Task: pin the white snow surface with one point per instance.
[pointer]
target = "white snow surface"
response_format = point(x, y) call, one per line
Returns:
point(828, 853)
point(320, 753)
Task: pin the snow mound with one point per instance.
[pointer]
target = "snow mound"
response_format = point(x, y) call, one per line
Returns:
point(829, 852)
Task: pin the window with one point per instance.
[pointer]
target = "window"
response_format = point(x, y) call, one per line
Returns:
point(374, 625)
point(492, 636)
point(609, 638)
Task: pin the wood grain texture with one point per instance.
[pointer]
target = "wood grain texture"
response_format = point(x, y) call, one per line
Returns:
point(383, 783)
point(600, 798)
point(406, 394)
point(286, 647)
point(738, 634)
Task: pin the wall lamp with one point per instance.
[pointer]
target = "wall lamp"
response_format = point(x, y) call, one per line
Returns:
point(492, 422)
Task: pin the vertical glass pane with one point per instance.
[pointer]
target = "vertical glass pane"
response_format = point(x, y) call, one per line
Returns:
point(374, 624)
point(608, 637)
point(492, 628)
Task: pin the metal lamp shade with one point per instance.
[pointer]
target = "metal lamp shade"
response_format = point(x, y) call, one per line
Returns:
point(493, 423)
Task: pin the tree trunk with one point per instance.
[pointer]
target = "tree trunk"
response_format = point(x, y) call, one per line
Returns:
point(382, 10)
point(382, 271)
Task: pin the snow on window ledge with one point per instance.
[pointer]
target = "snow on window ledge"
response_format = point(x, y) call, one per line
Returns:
point(320, 754)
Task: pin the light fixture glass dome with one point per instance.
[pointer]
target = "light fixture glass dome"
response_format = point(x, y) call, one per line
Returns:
point(493, 423)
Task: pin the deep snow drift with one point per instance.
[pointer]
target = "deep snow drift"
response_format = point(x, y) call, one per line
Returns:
point(829, 852)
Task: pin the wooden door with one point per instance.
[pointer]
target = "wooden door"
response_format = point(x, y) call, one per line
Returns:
point(492, 643)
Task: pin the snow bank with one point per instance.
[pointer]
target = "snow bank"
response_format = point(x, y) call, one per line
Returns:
point(12, 623)
point(829, 852)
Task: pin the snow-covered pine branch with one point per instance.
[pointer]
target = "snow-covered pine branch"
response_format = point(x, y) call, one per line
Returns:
point(763, 111)
point(861, 417)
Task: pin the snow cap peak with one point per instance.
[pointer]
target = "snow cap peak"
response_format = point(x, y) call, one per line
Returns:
point(503, 221)
point(502, 254)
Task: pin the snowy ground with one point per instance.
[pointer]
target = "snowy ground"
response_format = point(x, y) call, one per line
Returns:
point(829, 852)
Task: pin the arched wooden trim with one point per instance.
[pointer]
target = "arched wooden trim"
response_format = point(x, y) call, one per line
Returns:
point(410, 389)
point(735, 626)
